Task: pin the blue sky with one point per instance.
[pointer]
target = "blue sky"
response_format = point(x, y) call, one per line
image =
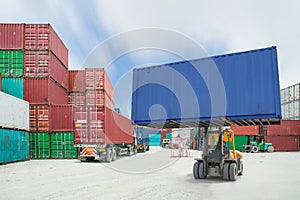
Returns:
point(219, 27)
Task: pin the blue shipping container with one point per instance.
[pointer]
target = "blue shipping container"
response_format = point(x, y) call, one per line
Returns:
point(14, 146)
point(240, 88)
point(13, 86)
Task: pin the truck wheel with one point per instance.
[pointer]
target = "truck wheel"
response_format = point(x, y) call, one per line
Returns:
point(232, 172)
point(226, 171)
point(254, 149)
point(241, 168)
point(202, 174)
point(196, 170)
point(114, 155)
point(270, 149)
point(108, 157)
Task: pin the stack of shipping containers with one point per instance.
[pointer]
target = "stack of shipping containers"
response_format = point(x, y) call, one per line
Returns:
point(91, 94)
point(14, 123)
point(290, 102)
point(34, 62)
point(11, 59)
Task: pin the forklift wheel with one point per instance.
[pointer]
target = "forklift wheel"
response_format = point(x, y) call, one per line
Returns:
point(202, 174)
point(226, 171)
point(232, 172)
point(254, 149)
point(196, 170)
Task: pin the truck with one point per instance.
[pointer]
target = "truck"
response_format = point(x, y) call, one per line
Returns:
point(142, 139)
point(102, 134)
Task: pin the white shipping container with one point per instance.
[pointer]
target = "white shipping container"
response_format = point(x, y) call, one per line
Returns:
point(182, 132)
point(14, 112)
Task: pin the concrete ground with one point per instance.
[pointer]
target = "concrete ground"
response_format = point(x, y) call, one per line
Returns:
point(150, 175)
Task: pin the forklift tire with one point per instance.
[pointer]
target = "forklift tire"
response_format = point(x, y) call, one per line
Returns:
point(196, 170)
point(148, 148)
point(108, 157)
point(241, 168)
point(270, 149)
point(114, 155)
point(232, 172)
point(226, 171)
point(202, 175)
point(254, 149)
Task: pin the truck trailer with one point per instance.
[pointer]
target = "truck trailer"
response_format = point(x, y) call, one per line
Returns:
point(102, 134)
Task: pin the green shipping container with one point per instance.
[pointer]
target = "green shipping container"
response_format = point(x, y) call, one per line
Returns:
point(239, 141)
point(62, 145)
point(39, 145)
point(13, 86)
point(13, 145)
point(11, 63)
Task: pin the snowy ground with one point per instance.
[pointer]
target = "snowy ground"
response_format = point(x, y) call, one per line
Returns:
point(150, 175)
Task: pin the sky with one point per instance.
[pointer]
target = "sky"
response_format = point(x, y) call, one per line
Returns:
point(218, 27)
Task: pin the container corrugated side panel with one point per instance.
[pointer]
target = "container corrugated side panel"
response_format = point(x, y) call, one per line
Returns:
point(43, 64)
point(239, 141)
point(11, 63)
point(44, 90)
point(14, 112)
point(76, 81)
point(61, 118)
point(58, 47)
point(245, 130)
point(39, 145)
point(14, 145)
point(287, 127)
point(250, 90)
point(11, 36)
point(284, 143)
point(14, 87)
point(118, 129)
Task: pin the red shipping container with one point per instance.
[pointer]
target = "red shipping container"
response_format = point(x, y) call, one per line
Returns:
point(77, 81)
point(101, 126)
point(287, 127)
point(45, 118)
point(11, 36)
point(44, 91)
point(98, 98)
point(97, 79)
point(39, 118)
point(245, 130)
point(77, 98)
point(284, 143)
point(42, 64)
point(43, 37)
point(164, 132)
point(61, 118)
